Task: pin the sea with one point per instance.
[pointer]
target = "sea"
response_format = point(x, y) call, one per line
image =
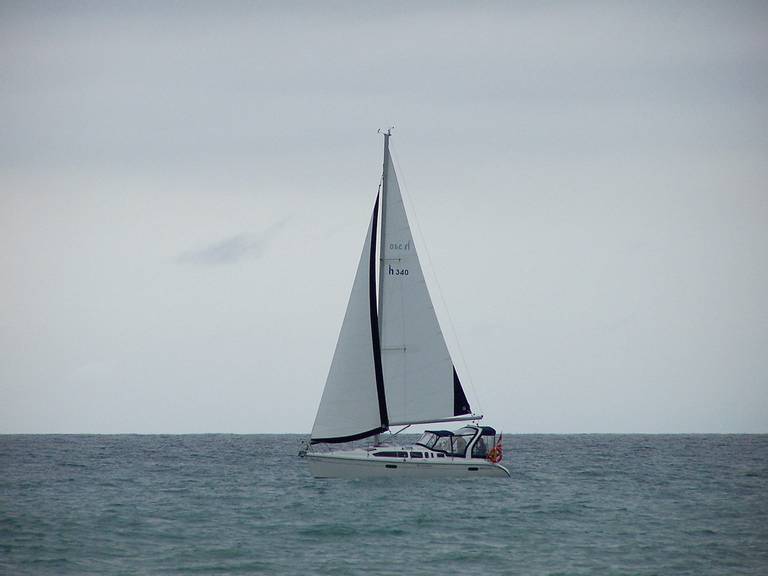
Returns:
point(247, 504)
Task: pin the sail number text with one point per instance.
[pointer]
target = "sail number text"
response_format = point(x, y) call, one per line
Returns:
point(393, 270)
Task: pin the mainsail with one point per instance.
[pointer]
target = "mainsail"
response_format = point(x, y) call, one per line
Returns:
point(390, 367)
point(419, 378)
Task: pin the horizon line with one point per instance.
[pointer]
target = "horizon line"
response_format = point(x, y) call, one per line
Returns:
point(743, 433)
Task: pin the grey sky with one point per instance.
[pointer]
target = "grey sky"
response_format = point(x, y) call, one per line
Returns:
point(185, 188)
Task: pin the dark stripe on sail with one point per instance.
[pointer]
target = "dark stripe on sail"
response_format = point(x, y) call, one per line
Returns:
point(375, 324)
point(460, 403)
point(352, 438)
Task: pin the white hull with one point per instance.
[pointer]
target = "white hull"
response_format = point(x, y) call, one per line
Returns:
point(352, 465)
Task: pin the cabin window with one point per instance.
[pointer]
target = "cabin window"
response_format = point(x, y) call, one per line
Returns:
point(443, 444)
point(441, 455)
point(480, 449)
point(386, 454)
point(461, 438)
point(427, 439)
point(417, 455)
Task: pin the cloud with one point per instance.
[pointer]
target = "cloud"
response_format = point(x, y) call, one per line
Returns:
point(233, 249)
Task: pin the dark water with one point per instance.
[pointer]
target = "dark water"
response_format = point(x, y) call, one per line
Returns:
point(222, 504)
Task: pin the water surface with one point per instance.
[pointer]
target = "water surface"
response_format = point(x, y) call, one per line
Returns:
point(229, 504)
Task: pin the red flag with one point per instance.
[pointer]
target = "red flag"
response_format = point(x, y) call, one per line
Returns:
point(497, 452)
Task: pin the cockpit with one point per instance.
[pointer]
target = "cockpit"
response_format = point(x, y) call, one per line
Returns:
point(467, 442)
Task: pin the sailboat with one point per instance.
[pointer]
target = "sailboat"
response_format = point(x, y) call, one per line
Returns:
point(392, 367)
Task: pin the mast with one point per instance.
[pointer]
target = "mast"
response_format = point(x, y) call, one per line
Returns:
point(383, 204)
point(382, 239)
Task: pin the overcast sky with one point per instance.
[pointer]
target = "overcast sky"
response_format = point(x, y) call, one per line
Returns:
point(185, 189)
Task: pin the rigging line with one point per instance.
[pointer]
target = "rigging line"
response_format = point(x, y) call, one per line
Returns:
point(407, 198)
point(401, 429)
